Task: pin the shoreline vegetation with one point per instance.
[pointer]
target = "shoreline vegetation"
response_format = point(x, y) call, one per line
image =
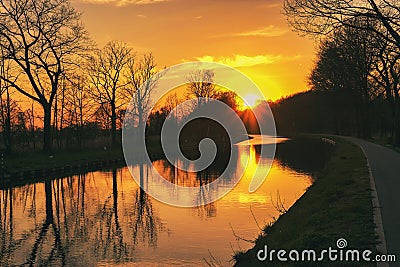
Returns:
point(20, 169)
point(23, 168)
point(337, 205)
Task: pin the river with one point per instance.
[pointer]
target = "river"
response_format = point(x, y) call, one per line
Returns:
point(103, 218)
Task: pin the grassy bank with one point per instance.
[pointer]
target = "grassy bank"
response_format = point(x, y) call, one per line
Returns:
point(338, 205)
point(20, 169)
point(17, 163)
point(31, 161)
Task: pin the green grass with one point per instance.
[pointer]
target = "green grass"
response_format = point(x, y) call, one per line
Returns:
point(23, 162)
point(337, 205)
point(30, 161)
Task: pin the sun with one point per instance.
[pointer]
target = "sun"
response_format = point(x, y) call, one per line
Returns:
point(250, 101)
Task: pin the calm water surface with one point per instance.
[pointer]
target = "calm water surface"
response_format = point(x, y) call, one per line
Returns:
point(104, 218)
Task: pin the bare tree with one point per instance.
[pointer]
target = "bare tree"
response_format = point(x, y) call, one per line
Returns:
point(343, 67)
point(321, 16)
point(171, 103)
point(5, 103)
point(201, 85)
point(58, 112)
point(230, 98)
point(40, 38)
point(106, 74)
point(386, 78)
point(78, 104)
point(143, 80)
point(381, 20)
point(30, 115)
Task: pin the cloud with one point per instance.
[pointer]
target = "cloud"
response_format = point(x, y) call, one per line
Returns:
point(145, 2)
point(242, 61)
point(123, 2)
point(269, 31)
point(239, 61)
point(270, 5)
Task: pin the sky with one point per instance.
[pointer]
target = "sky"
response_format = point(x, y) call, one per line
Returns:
point(250, 35)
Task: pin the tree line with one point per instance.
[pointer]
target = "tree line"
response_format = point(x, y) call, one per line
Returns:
point(71, 90)
point(355, 78)
point(200, 88)
point(75, 94)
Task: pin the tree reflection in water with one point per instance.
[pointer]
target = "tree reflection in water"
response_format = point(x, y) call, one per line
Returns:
point(57, 251)
point(109, 240)
point(204, 209)
point(105, 218)
point(175, 174)
point(7, 244)
point(75, 221)
point(145, 225)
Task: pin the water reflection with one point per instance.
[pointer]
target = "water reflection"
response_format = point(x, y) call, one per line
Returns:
point(305, 155)
point(75, 221)
point(106, 218)
point(109, 238)
point(145, 223)
point(40, 252)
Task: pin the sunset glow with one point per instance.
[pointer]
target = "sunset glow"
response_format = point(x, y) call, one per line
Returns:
point(199, 132)
point(251, 36)
point(251, 100)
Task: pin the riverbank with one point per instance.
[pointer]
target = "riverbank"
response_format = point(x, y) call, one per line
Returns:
point(338, 205)
point(24, 168)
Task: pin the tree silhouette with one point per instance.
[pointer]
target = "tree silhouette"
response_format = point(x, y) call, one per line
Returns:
point(40, 39)
point(143, 80)
point(78, 104)
point(106, 73)
point(201, 85)
point(5, 102)
point(316, 17)
point(344, 63)
point(385, 78)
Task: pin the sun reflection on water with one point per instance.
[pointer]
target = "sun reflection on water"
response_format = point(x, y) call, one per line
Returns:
point(105, 218)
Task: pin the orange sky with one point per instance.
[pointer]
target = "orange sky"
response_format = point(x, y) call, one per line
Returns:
point(251, 35)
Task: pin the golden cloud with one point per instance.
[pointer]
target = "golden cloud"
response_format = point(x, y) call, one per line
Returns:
point(242, 61)
point(269, 31)
point(123, 2)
